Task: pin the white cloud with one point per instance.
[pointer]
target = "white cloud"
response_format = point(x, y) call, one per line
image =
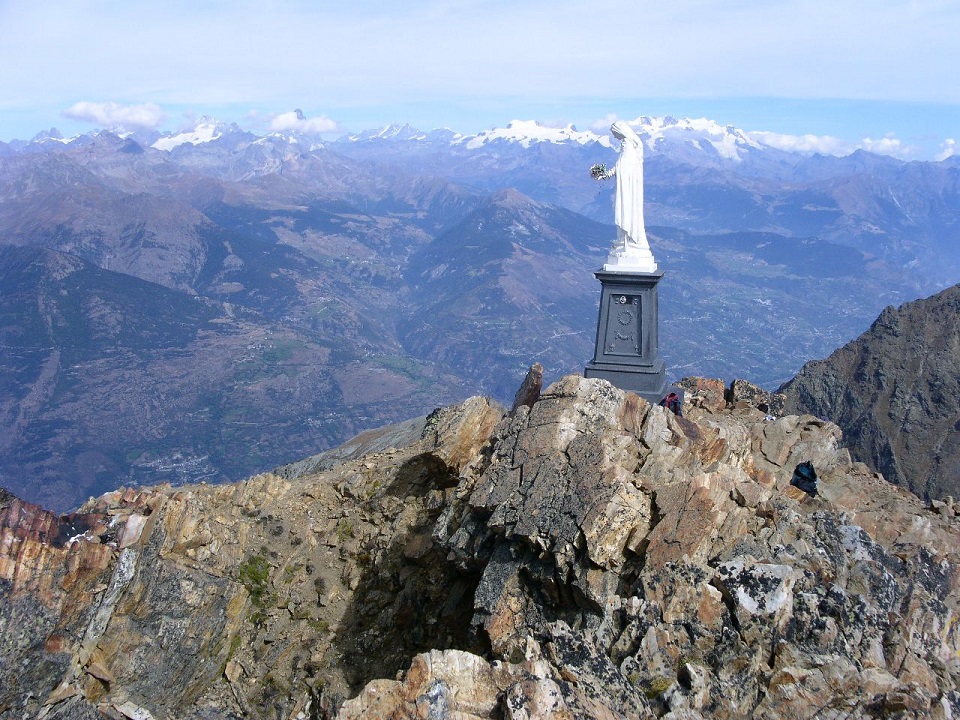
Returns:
point(111, 114)
point(602, 125)
point(948, 148)
point(887, 145)
point(823, 144)
point(297, 122)
point(829, 145)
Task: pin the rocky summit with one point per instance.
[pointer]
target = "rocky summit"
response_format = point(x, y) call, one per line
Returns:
point(585, 555)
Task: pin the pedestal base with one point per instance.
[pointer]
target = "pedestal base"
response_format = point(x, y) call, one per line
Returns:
point(648, 383)
point(627, 334)
point(633, 260)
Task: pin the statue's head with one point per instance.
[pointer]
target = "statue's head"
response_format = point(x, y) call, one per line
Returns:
point(621, 131)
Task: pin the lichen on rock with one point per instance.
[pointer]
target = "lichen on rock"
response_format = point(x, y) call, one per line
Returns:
point(586, 555)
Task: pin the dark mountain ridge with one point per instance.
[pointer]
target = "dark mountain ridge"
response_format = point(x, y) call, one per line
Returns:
point(895, 392)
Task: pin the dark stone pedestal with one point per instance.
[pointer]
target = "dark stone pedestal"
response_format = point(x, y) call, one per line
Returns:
point(627, 349)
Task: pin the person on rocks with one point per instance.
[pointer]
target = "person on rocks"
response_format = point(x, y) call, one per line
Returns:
point(672, 403)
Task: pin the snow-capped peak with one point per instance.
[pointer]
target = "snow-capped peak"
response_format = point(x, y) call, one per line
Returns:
point(699, 135)
point(727, 140)
point(206, 130)
point(403, 133)
point(390, 132)
point(52, 136)
point(526, 132)
point(696, 139)
point(278, 137)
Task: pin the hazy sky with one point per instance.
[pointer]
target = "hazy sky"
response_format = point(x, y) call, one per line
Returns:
point(875, 73)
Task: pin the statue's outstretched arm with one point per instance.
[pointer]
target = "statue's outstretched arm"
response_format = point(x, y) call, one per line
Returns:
point(602, 172)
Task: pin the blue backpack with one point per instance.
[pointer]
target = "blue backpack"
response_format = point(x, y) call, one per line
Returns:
point(805, 478)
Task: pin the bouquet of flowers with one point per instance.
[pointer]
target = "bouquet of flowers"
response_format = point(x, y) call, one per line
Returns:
point(599, 172)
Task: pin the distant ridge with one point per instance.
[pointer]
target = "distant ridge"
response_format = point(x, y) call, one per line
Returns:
point(895, 392)
point(701, 134)
point(658, 132)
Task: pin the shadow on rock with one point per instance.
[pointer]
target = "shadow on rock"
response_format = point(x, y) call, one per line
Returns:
point(409, 598)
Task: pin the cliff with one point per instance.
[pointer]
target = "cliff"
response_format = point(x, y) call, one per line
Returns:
point(895, 392)
point(586, 556)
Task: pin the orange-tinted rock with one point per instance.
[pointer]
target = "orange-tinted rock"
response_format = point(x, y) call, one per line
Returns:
point(590, 556)
point(706, 393)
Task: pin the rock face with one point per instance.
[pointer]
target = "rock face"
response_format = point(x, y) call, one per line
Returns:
point(895, 392)
point(585, 556)
point(529, 391)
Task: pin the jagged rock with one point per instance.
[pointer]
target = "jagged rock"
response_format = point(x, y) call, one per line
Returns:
point(448, 684)
point(895, 391)
point(133, 711)
point(588, 556)
point(749, 394)
point(619, 497)
point(761, 596)
point(712, 395)
point(529, 391)
point(707, 393)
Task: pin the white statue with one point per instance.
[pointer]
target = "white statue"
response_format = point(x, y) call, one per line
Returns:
point(631, 251)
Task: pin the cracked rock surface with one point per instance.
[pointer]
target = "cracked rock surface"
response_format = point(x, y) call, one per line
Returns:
point(586, 555)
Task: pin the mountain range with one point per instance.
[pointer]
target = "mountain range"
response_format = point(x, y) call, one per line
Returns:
point(212, 303)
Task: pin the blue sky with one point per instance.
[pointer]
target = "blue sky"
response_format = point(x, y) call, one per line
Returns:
point(839, 74)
